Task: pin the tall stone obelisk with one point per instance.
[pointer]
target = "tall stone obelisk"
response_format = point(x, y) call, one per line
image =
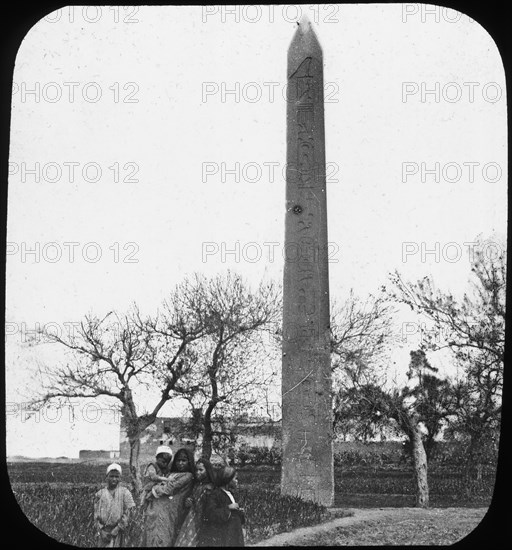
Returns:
point(307, 468)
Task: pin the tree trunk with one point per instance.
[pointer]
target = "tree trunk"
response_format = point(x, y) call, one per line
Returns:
point(479, 470)
point(134, 466)
point(208, 436)
point(471, 463)
point(419, 457)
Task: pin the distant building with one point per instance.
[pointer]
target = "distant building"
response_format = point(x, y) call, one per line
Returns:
point(87, 454)
point(176, 433)
point(164, 431)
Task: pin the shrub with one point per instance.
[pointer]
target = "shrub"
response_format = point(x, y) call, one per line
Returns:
point(72, 472)
point(257, 456)
point(65, 512)
point(368, 454)
point(269, 513)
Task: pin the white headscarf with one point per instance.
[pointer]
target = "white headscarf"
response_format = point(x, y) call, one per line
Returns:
point(114, 466)
point(163, 449)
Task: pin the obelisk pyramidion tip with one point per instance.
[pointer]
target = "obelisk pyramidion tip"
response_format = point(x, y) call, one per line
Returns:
point(304, 24)
point(305, 41)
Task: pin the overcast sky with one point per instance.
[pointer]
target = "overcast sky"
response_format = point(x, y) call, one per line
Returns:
point(152, 141)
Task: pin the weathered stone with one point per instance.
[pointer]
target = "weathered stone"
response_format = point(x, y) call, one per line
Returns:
point(307, 468)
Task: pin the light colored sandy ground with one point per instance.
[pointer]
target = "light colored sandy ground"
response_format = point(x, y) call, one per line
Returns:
point(378, 526)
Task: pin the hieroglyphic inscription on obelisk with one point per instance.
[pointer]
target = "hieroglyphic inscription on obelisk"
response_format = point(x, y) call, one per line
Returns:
point(307, 468)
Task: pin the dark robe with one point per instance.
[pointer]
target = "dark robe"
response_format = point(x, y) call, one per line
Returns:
point(222, 526)
point(190, 534)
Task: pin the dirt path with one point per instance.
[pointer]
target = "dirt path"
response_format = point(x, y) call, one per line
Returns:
point(386, 526)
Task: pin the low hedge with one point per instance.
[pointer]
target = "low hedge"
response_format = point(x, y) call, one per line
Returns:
point(65, 512)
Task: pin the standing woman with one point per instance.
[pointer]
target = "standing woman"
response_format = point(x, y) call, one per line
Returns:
point(191, 531)
point(176, 489)
point(223, 516)
point(164, 503)
point(156, 472)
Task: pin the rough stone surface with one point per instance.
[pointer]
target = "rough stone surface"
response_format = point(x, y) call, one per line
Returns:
point(306, 376)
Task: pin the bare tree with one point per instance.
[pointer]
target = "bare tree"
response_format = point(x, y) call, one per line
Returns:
point(374, 406)
point(473, 328)
point(113, 356)
point(434, 398)
point(361, 334)
point(229, 373)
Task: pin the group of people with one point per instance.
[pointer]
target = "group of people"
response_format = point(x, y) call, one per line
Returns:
point(185, 503)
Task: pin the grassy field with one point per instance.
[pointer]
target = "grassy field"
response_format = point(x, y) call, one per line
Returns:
point(390, 527)
point(391, 486)
point(57, 498)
